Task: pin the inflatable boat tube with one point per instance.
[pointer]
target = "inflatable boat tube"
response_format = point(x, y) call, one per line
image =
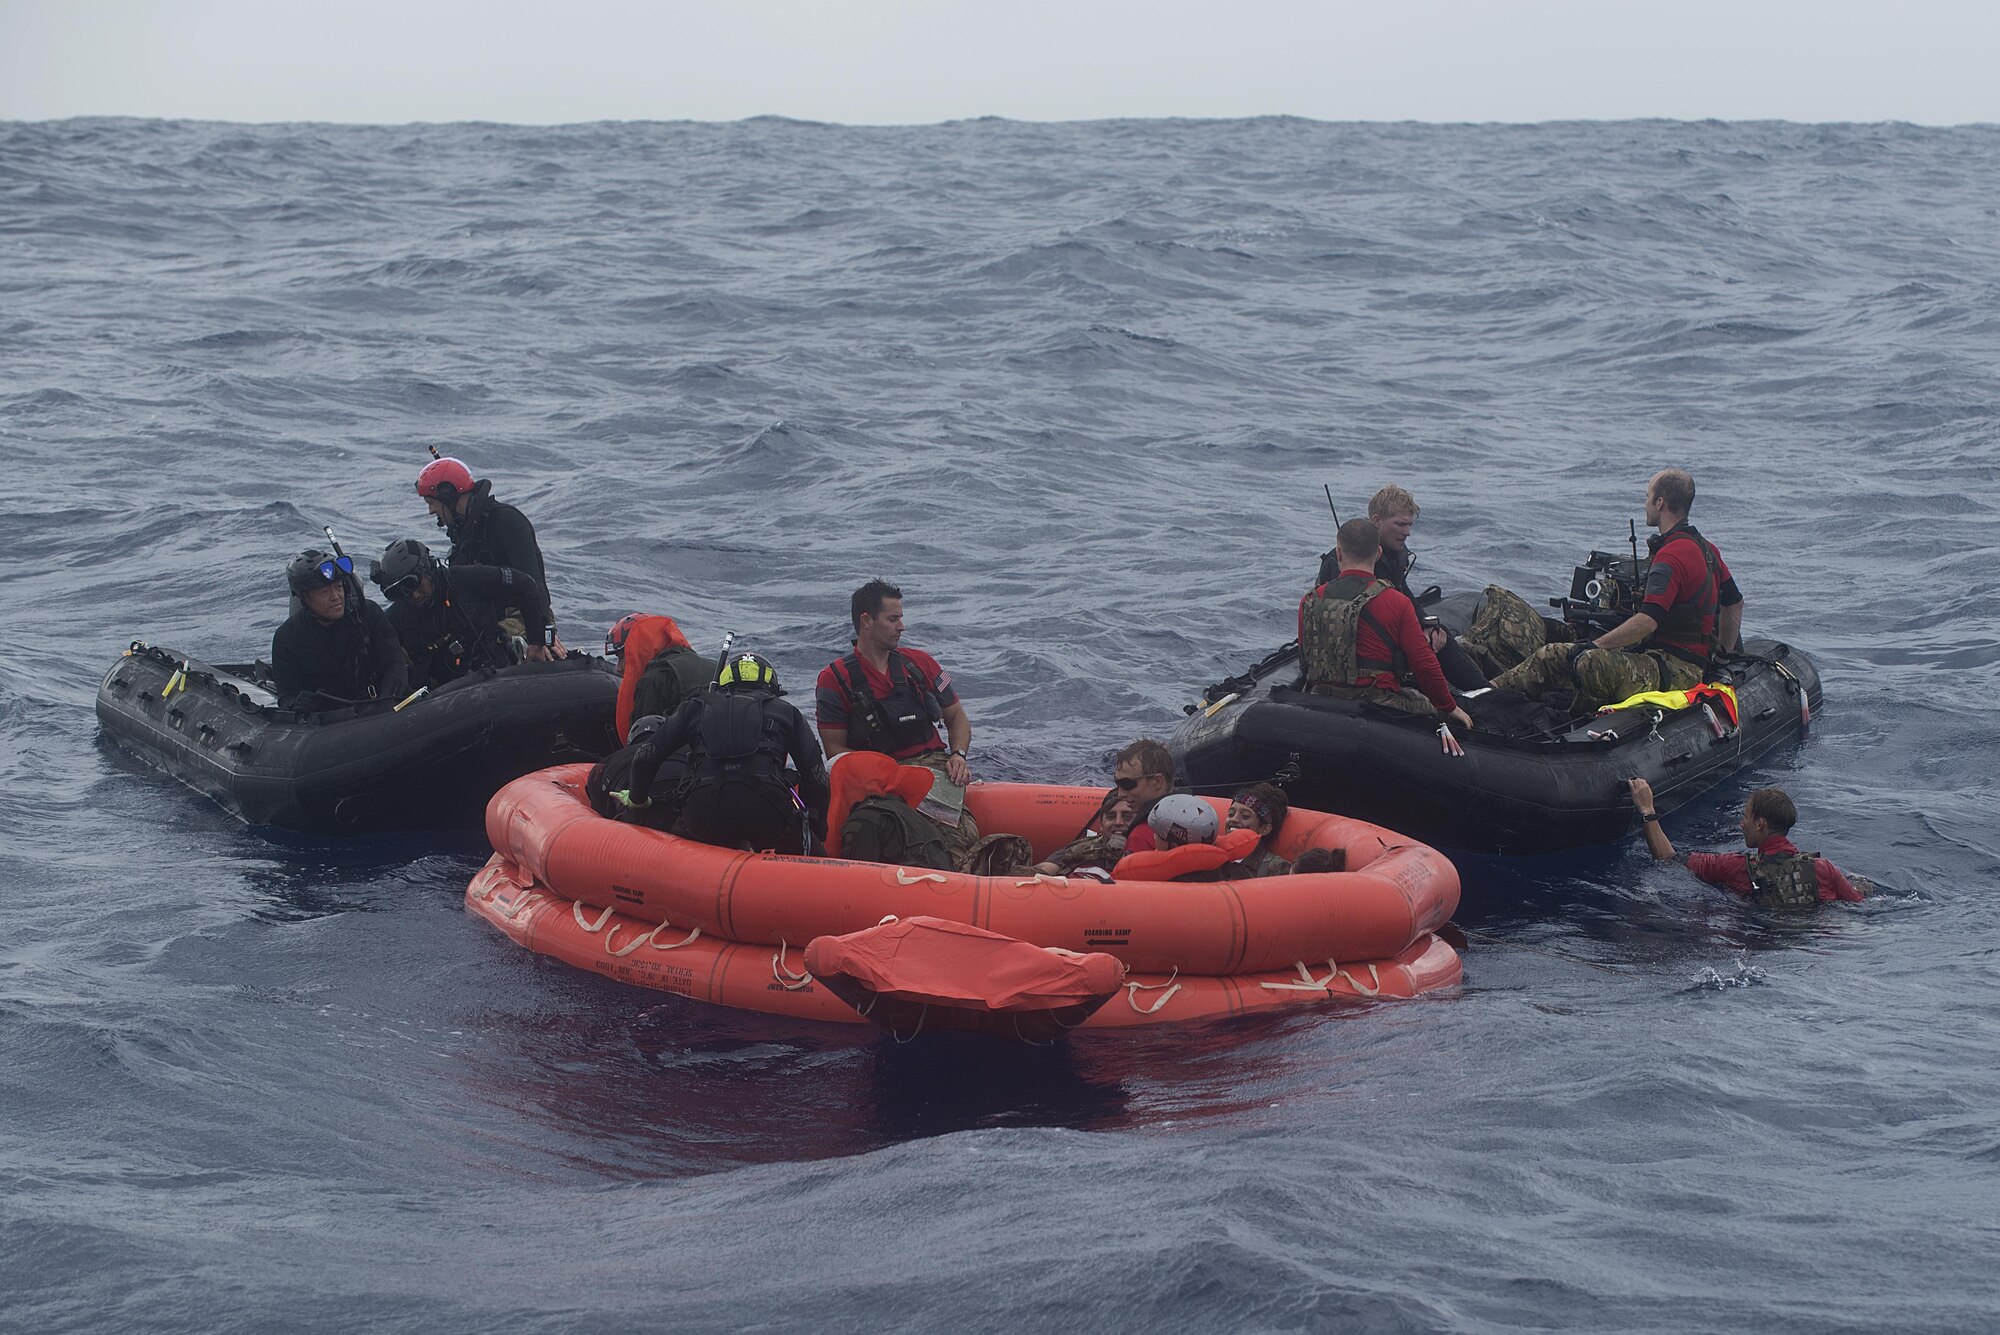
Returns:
point(1394, 891)
point(430, 765)
point(773, 978)
point(1559, 789)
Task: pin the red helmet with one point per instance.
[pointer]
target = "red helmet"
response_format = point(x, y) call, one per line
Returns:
point(614, 639)
point(444, 479)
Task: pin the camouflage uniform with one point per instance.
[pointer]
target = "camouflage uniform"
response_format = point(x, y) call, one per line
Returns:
point(1093, 850)
point(1505, 632)
point(1329, 652)
point(1600, 676)
point(960, 839)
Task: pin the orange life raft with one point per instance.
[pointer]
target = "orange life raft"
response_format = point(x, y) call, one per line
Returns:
point(731, 927)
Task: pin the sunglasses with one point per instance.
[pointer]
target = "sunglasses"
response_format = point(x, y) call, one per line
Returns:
point(1128, 784)
point(334, 567)
point(402, 588)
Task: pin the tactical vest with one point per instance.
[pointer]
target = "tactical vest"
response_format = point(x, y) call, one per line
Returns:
point(1329, 641)
point(1784, 880)
point(905, 719)
point(888, 829)
point(671, 676)
point(735, 739)
point(1688, 629)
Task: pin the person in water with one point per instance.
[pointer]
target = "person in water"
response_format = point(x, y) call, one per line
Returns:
point(900, 702)
point(1395, 513)
point(1692, 611)
point(1145, 769)
point(1773, 873)
point(739, 737)
point(1359, 638)
point(1262, 808)
point(336, 648)
point(449, 619)
point(483, 531)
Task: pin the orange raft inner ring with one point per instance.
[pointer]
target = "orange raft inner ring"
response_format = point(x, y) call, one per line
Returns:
point(730, 927)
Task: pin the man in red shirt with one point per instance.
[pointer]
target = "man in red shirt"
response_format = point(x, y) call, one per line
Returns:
point(883, 697)
point(1774, 874)
point(1692, 610)
point(1360, 639)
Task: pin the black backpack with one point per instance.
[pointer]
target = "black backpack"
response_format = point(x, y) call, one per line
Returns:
point(888, 829)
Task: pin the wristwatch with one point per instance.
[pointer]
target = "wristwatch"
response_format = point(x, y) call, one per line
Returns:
point(1649, 817)
point(961, 755)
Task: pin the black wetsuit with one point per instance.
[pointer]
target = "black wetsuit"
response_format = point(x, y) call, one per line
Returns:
point(458, 631)
point(316, 665)
point(493, 533)
point(737, 794)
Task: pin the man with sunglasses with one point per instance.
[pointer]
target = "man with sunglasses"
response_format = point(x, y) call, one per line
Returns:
point(336, 648)
point(450, 618)
point(1145, 771)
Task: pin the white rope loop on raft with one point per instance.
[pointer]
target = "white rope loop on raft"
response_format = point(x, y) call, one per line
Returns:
point(513, 906)
point(921, 877)
point(651, 938)
point(791, 982)
point(1308, 983)
point(1132, 991)
point(576, 908)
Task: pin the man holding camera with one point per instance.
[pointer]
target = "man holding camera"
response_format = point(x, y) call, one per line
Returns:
point(1692, 611)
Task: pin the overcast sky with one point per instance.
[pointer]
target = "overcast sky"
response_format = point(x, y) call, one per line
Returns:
point(901, 61)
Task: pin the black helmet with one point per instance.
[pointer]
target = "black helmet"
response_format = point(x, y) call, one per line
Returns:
point(403, 563)
point(313, 569)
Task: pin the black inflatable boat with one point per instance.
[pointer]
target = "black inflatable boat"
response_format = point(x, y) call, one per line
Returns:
point(431, 764)
point(1533, 791)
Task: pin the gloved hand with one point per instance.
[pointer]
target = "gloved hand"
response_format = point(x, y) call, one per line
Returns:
point(623, 797)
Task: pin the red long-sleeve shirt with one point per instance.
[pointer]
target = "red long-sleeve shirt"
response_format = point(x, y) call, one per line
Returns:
point(1398, 616)
point(1731, 871)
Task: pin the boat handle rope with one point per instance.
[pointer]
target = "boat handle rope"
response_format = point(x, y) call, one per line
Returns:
point(651, 938)
point(921, 877)
point(1308, 983)
point(1132, 991)
point(791, 982)
point(513, 907)
point(922, 1015)
point(1042, 878)
point(576, 908)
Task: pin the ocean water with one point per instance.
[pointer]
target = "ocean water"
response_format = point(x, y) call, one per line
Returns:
point(1077, 389)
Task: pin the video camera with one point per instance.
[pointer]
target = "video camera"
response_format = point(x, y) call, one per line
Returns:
point(1605, 589)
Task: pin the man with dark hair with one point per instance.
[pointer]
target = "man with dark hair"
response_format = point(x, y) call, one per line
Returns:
point(1144, 769)
point(883, 697)
point(1773, 873)
point(1359, 638)
point(1692, 611)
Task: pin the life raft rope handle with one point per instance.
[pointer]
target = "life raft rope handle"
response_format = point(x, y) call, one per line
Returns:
point(791, 982)
point(921, 877)
point(1308, 983)
point(1132, 991)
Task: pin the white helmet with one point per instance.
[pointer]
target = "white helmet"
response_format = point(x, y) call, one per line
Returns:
point(1189, 819)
